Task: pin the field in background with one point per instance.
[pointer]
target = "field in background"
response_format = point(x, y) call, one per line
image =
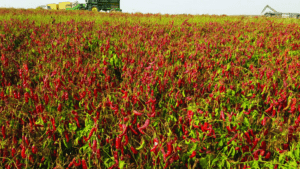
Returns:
point(117, 90)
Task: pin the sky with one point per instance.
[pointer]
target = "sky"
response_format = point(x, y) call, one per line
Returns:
point(217, 7)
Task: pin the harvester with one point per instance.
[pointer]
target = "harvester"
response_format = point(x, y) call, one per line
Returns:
point(75, 6)
point(104, 5)
point(91, 5)
point(274, 13)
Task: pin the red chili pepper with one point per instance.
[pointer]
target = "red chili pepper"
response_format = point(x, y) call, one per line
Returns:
point(222, 116)
point(263, 145)
point(116, 157)
point(43, 159)
point(262, 152)
point(248, 137)
point(263, 122)
point(54, 138)
point(84, 164)
point(98, 115)
point(131, 128)
point(70, 165)
point(67, 136)
point(247, 113)
point(169, 152)
point(46, 98)
point(77, 164)
point(124, 132)
point(98, 153)
point(167, 164)
point(228, 129)
point(266, 132)
point(147, 122)
point(137, 113)
point(270, 108)
point(274, 113)
point(59, 107)
point(76, 119)
point(34, 149)
point(23, 152)
point(91, 133)
point(155, 145)
point(118, 141)
point(268, 155)
point(122, 150)
point(254, 144)
point(134, 120)
point(94, 146)
point(126, 140)
point(31, 158)
point(141, 131)
point(78, 99)
point(26, 95)
point(13, 151)
point(235, 136)
point(86, 139)
point(193, 154)
point(133, 150)
point(3, 132)
point(95, 93)
point(53, 124)
point(251, 132)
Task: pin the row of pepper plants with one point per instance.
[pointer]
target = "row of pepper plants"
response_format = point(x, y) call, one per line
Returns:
point(125, 95)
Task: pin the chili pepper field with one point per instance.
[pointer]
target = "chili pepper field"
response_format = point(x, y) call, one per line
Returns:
point(80, 89)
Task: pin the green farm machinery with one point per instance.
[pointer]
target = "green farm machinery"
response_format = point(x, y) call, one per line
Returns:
point(96, 5)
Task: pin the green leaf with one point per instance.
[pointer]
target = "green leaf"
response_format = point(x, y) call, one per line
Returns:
point(141, 146)
point(220, 144)
point(297, 155)
point(281, 158)
point(121, 164)
point(193, 148)
point(264, 90)
point(44, 144)
point(228, 67)
point(293, 164)
point(170, 133)
point(187, 142)
point(290, 153)
point(255, 164)
point(203, 163)
point(109, 162)
point(27, 90)
point(221, 164)
point(244, 105)
point(246, 121)
point(60, 130)
point(193, 134)
point(171, 118)
point(233, 151)
point(249, 94)
point(214, 161)
point(72, 126)
point(65, 143)
point(228, 164)
point(84, 148)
